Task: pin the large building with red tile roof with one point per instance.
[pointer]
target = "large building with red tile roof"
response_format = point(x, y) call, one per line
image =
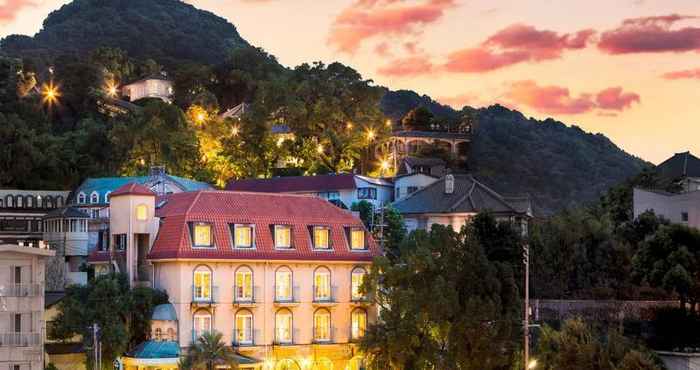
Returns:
point(278, 275)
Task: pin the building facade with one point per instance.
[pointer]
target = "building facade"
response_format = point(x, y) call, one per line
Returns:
point(278, 275)
point(22, 305)
point(21, 212)
point(156, 86)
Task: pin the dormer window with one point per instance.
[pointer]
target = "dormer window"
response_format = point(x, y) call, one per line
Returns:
point(283, 236)
point(94, 198)
point(107, 196)
point(243, 235)
point(201, 235)
point(357, 239)
point(322, 237)
point(81, 198)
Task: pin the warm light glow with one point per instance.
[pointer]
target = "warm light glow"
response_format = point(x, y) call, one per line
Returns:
point(532, 364)
point(388, 123)
point(349, 126)
point(280, 141)
point(319, 149)
point(111, 89)
point(370, 134)
point(384, 165)
point(201, 117)
point(305, 363)
point(50, 93)
point(234, 130)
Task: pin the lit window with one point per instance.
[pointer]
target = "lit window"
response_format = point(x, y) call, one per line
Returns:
point(283, 326)
point(283, 236)
point(243, 236)
point(244, 285)
point(322, 325)
point(94, 198)
point(357, 239)
point(359, 323)
point(159, 334)
point(141, 212)
point(120, 241)
point(321, 237)
point(202, 284)
point(358, 278)
point(244, 327)
point(202, 324)
point(283, 285)
point(202, 235)
point(322, 284)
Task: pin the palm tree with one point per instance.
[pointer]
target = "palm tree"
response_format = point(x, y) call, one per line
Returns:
point(208, 352)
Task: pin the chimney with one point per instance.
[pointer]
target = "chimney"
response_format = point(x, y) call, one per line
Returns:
point(449, 184)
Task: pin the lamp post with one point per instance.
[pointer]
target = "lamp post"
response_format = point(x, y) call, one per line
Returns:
point(526, 319)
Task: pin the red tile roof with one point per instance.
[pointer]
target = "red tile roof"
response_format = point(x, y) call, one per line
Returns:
point(97, 256)
point(132, 188)
point(223, 208)
point(295, 184)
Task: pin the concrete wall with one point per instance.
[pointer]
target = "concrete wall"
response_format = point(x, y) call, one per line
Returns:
point(418, 180)
point(670, 206)
point(680, 361)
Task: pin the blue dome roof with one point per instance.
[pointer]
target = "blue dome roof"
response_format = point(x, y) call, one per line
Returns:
point(164, 312)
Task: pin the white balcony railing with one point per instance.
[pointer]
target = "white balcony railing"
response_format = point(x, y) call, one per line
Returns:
point(21, 290)
point(204, 295)
point(15, 339)
point(324, 294)
point(245, 339)
point(242, 299)
point(281, 297)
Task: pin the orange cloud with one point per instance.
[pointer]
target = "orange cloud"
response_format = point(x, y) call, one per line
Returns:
point(407, 67)
point(459, 101)
point(649, 35)
point(10, 8)
point(365, 19)
point(685, 74)
point(516, 44)
point(559, 100)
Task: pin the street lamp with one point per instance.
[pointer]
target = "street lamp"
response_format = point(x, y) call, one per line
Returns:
point(50, 93)
point(370, 134)
point(532, 364)
point(319, 148)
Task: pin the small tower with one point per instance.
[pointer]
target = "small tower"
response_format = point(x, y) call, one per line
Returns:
point(133, 227)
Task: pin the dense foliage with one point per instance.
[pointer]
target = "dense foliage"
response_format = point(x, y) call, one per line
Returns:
point(122, 313)
point(209, 353)
point(444, 303)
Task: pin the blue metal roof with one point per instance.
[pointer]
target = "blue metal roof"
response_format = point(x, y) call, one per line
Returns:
point(164, 311)
point(155, 349)
point(103, 185)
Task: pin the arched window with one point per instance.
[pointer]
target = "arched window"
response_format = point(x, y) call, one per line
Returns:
point(81, 198)
point(171, 334)
point(358, 323)
point(243, 328)
point(159, 334)
point(107, 196)
point(10, 201)
point(357, 278)
point(49, 201)
point(201, 323)
point(322, 325)
point(201, 291)
point(283, 285)
point(141, 212)
point(29, 201)
point(100, 270)
point(243, 285)
point(19, 201)
point(283, 326)
point(59, 201)
point(94, 198)
point(322, 284)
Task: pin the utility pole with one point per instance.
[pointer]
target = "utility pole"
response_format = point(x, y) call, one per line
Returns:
point(96, 346)
point(526, 320)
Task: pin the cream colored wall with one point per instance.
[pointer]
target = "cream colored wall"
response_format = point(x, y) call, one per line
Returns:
point(122, 210)
point(177, 279)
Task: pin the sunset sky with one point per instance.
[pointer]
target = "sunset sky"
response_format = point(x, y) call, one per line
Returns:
point(629, 70)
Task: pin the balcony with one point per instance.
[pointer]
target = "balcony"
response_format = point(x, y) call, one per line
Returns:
point(251, 339)
point(324, 296)
point(241, 300)
point(20, 339)
point(21, 290)
point(282, 299)
point(285, 338)
point(203, 296)
point(361, 299)
point(327, 337)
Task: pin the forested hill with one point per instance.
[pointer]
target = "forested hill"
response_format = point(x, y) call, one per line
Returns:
point(163, 30)
point(558, 165)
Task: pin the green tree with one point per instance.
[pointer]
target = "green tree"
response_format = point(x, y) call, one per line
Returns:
point(418, 119)
point(443, 305)
point(208, 353)
point(116, 63)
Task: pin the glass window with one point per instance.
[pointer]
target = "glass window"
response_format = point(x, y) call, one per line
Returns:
point(359, 323)
point(357, 239)
point(283, 236)
point(322, 284)
point(202, 235)
point(141, 212)
point(94, 197)
point(202, 284)
point(684, 216)
point(366, 193)
point(244, 284)
point(244, 327)
point(120, 241)
point(322, 325)
point(283, 284)
point(357, 278)
point(243, 236)
point(321, 237)
point(202, 323)
point(283, 326)
point(159, 334)
point(412, 189)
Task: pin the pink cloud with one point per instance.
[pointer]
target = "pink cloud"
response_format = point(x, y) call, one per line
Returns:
point(383, 49)
point(407, 67)
point(559, 100)
point(685, 74)
point(10, 8)
point(365, 19)
point(516, 44)
point(613, 98)
point(651, 35)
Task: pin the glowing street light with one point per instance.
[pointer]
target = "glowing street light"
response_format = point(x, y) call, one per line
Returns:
point(201, 117)
point(234, 130)
point(388, 123)
point(319, 148)
point(532, 364)
point(111, 89)
point(384, 165)
point(349, 126)
point(370, 134)
point(50, 93)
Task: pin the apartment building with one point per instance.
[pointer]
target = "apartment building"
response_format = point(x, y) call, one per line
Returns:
point(22, 273)
point(278, 275)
